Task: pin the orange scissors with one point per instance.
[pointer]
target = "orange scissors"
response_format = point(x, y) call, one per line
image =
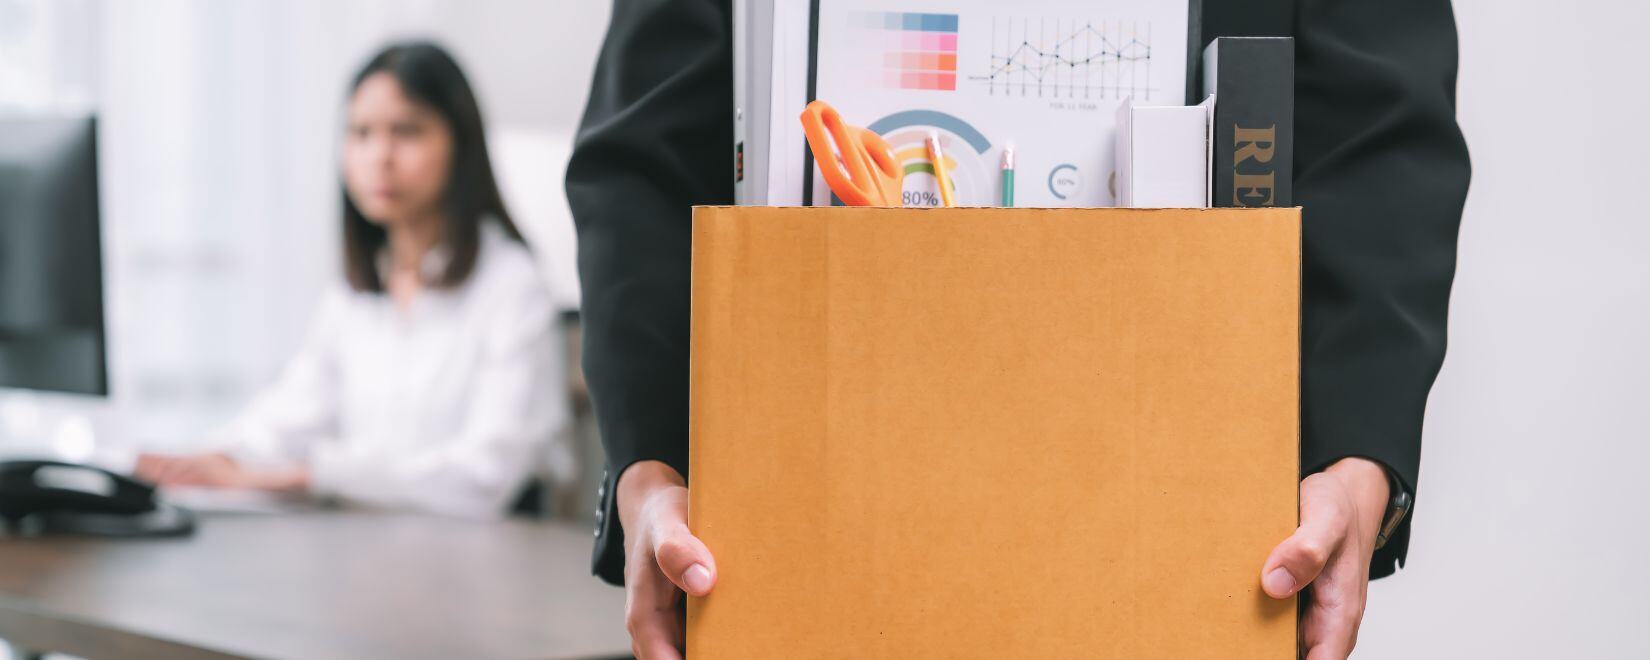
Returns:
point(861, 169)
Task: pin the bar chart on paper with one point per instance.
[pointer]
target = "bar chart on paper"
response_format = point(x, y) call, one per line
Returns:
point(917, 51)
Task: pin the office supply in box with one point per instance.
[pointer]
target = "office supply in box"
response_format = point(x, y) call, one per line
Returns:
point(856, 162)
point(1163, 155)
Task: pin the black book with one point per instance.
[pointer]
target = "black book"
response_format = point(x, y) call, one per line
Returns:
point(1253, 80)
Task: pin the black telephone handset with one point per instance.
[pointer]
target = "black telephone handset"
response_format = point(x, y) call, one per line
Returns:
point(53, 497)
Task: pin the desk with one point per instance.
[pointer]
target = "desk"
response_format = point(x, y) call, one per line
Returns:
point(315, 585)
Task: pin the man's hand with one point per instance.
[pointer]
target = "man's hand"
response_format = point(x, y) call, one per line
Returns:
point(662, 559)
point(216, 470)
point(1341, 512)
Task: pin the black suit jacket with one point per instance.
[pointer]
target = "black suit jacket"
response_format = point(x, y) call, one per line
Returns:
point(1380, 168)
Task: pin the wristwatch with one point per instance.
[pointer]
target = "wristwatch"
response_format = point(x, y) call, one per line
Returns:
point(1397, 507)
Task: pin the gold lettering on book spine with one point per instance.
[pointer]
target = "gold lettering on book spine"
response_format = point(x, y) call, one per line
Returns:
point(1252, 186)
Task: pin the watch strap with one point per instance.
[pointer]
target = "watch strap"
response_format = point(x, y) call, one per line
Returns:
point(1398, 504)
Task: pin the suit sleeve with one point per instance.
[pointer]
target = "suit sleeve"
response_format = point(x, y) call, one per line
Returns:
point(1382, 173)
point(655, 140)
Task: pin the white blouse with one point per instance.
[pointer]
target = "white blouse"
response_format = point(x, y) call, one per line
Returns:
point(447, 406)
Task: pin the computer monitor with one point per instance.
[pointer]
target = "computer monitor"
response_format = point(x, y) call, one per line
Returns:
point(52, 333)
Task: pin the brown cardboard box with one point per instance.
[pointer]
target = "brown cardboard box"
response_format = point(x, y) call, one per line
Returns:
point(993, 433)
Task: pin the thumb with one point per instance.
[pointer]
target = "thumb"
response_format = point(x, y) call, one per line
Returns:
point(1298, 560)
point(685, 560)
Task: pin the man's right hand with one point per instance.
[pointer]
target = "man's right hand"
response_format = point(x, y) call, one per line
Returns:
point(662, 558)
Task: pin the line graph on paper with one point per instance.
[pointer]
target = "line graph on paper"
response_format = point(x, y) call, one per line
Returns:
point(1068, 58)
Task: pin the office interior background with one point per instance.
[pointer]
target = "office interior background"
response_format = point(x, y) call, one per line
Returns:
point(219, 126)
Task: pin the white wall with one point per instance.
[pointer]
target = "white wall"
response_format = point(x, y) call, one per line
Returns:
point(1533, 524)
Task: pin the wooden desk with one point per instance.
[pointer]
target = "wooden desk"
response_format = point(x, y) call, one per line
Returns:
point(315, 585)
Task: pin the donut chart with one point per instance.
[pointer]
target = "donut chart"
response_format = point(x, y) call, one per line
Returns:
point(965, 149)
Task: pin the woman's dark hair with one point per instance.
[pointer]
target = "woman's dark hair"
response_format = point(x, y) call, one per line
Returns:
point(429, 76)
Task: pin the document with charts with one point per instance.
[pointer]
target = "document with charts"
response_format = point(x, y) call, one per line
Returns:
point(1043, 76)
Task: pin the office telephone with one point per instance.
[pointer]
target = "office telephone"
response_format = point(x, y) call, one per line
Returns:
point(41, 497)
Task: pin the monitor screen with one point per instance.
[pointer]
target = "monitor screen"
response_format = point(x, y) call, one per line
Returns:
point(52, 333)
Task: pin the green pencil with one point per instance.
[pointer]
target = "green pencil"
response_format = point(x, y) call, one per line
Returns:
point(1008, 176)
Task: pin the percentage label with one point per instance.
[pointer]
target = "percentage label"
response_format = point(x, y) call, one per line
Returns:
point(921, 198)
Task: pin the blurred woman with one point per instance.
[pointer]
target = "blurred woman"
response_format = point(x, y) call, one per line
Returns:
point(430, 378)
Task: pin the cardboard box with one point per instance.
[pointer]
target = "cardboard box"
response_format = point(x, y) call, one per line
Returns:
point(993, 433)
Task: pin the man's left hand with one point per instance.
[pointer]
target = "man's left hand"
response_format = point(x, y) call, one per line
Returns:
point(1341, 512)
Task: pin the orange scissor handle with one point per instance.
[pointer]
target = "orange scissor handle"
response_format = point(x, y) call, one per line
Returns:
point(861, 170)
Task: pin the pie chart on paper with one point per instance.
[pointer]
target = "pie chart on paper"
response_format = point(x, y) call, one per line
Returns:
point(966, 150)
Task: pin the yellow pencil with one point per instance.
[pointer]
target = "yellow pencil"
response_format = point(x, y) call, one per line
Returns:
point(940, 175)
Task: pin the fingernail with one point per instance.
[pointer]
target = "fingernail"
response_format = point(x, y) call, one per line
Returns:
point(697, 579)
point(1279, 581)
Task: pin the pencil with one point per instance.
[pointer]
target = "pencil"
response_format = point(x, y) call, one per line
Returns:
point(936, 157)
point(1008, 176)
